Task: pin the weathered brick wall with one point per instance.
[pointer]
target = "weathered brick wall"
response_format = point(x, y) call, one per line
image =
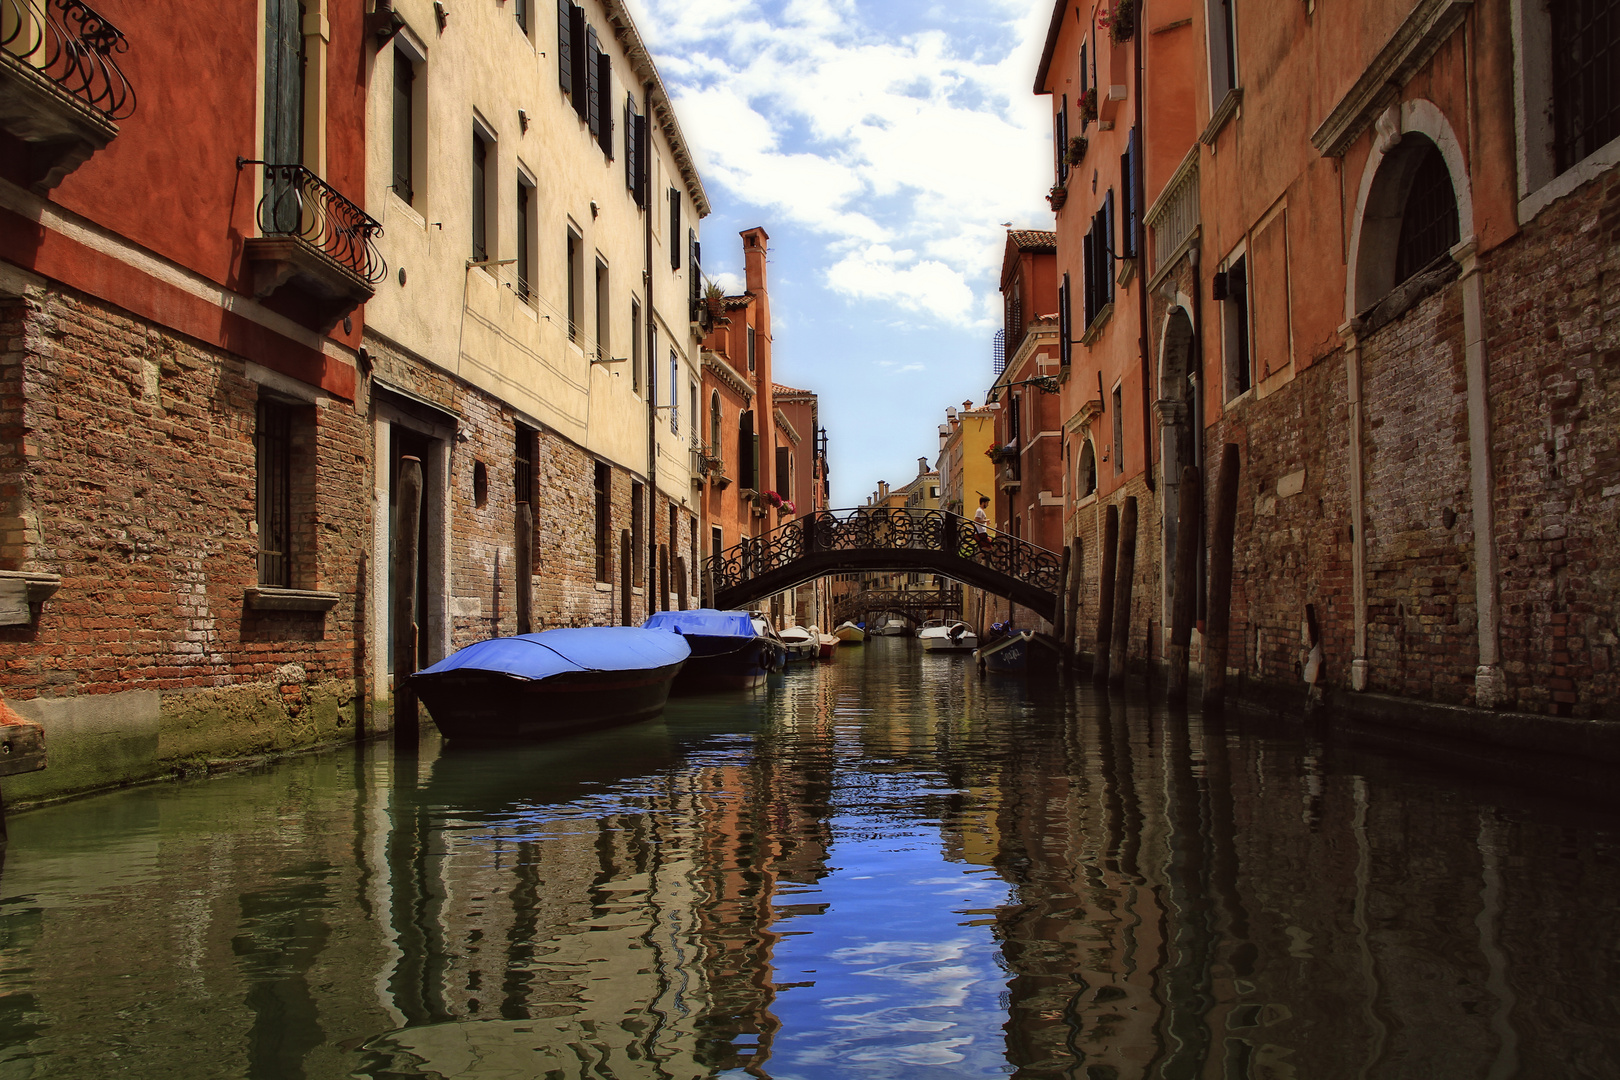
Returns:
point(1421, 612)
point(1292, 543)
point(128, 467)
point(1553, 335)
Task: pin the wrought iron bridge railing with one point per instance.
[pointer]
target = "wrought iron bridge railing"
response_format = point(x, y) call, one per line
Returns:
point(69, 42)
point(885, 529)
point(297, 203)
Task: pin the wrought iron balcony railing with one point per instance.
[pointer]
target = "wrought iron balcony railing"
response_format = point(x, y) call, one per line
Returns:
point(68, 42)
point(297, 203)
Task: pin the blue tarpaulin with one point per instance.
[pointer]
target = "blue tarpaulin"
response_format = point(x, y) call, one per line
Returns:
point(553, 652)
point(703, 622)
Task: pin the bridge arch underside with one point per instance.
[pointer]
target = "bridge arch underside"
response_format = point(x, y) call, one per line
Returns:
point(746, 594)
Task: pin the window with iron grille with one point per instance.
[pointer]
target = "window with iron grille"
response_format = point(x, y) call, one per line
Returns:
point(524, 267)
point(604, 482)
point(273, 461)
point(480, 213)
point(1429, 221)
point(524, 443)
point(404, 123)
point(1586, 77)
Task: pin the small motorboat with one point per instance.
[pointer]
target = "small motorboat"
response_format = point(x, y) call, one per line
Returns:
point(957, 637)
point(557, 681)
point(799, 642)
point(892, 628)
point(850, 634)
point(825, 643)
point(1017, 652)
point(730, 650)
point(931, 624)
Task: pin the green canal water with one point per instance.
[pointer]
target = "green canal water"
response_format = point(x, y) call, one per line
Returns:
point(882, 867)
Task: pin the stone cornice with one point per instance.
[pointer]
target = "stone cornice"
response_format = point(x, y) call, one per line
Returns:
point(712, 361)
point(1425, 29)
point(625, 27)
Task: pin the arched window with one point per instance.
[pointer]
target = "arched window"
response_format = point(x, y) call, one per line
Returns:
point(1085, 481)
point(1429, 219)
point(714, 423)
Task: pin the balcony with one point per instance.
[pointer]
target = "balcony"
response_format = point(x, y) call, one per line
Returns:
point(317, 248)
point(61, 93)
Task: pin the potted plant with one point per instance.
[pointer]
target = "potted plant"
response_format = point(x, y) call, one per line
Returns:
point(713, 296)
point(1122, 21)
point(1057, 196)
point(1088, 105)
point(1078, 145)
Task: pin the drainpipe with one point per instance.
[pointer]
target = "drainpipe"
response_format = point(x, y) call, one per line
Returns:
point(1196, 420)
point(1358, 506)
point(1490, 686)
point(652, 336)
point(1138, 201)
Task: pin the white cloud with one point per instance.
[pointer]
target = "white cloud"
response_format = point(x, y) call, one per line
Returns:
point(904, 151)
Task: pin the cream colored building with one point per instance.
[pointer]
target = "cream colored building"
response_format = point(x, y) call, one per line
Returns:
point(534, 340)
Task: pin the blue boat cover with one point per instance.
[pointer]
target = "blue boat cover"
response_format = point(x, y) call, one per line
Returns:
point(703, 622)
point(553, 652)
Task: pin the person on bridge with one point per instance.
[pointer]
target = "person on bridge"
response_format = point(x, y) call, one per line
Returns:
point(981, 523)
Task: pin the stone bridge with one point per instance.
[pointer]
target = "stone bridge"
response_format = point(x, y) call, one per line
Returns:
point(884, 538)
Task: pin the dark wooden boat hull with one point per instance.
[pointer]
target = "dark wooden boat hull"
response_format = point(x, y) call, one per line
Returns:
point(488, 706)
point(727, 663)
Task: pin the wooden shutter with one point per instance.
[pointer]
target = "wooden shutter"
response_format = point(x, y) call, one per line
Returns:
point(604, 94)
point(1109, 245)
point(695, 253)
point(579, 62)
point(642, 146)
point(1129, 163)
point(565, 44)
point(631, 150)
point(674, 228)
point(1060, 133)
point(1088, 263)
point(745, 449)
point(593, 99)
point(1065, 331)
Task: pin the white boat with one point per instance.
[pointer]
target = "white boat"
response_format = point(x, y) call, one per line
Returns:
point(931, 624)
point(957, 637)
point(850, 634)
point(800, 643)
point(825, 643)
point(892, 628)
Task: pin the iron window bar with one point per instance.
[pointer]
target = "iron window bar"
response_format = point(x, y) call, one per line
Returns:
point(70, 43)
point(1586, 95)
point(299, 204)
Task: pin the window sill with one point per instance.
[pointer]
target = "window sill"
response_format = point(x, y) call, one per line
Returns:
point(398, 205)
point(268, 598)
point(604, 586)
point(1576, 176)
point(1227, 109)
point(31, 589)
point(1127, 270)
point(1094, 329)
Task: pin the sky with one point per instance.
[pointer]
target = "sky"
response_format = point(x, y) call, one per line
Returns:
point(882, 144)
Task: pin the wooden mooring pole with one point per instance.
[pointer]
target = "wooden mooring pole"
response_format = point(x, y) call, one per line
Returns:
point(1071, 602)
point(1058, 606)
point(662, 601)
point(1105, 602)
point(680, 580)
point(1119, 653)
point(408, 527)
point(1218, 625)
point(1184, 606)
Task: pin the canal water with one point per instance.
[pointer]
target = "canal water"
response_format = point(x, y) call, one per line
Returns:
point(882, 867)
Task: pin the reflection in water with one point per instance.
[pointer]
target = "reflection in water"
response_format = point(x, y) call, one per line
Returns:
point(886, 867)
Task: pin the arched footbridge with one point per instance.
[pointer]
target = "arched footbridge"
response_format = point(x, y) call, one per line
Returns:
point(885, 538)
point(914, 605)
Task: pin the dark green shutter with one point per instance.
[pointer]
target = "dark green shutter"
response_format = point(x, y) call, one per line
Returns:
point(579, 61)
point(565, 44)
point(593, 99)
point(604, 94)
point(674, 228)
point(631, 155)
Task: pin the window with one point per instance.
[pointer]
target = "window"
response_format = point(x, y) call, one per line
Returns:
point(576, 270)
point(694, 266)
point(1097, 257)
point(747, 452)
point(635, 151)
point(674, 228)
point(1014, 314)
point(784, 471)
point(525, 446)
point(696, 423)
point(603, 313)
point(1060, 139)
point(1235, 327)
point(1221, 20)
point(524, 267)
point(652, 365)
point(717, 544)
point(638, 530)
point(750, 348)
point(574, 53)
point(1065, 322)
point(520, 9)
point(592, 64)
point(635, 346)
point(1085, 481)
point(1429, 221)
point(1119, 430)
point(674, 393)
point(273, 504)
point(480, 200)
point(1127, 187)
point(714, 423)
point(283, 107)
point(604, 523)
point(480, 484)
point(1014, 420)
point(404, 124)
point(1586, 78)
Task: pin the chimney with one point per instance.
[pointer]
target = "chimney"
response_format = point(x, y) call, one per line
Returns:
point(755, 241)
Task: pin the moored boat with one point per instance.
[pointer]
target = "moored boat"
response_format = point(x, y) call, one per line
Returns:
point(730, 650)
point(850, 634)
point(557, 681)
point(892, 628)
point(826, 643)
point(799, 642)
point(955, 637)
point(1020, 652)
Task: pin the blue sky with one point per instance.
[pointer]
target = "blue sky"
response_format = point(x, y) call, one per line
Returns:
point(880, 143)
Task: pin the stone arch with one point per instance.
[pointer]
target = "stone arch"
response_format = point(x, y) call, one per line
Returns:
point(1178, 425)
point(1085, 473)
point(1386, 180)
